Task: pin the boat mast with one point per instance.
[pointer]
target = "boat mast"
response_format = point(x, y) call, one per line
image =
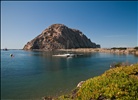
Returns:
point(67, 45)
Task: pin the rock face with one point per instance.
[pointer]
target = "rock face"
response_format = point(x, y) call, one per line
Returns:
point(59, 36)
point(80, 84)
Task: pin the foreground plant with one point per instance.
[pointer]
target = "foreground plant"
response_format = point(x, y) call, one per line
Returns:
point(119, 83)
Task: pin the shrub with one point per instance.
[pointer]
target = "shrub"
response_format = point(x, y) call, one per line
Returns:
point(119, 64)
point(119, 48)
point(136, 48)
point(119, 83)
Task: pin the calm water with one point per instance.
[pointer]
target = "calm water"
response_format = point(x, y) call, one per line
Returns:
point(32, 75)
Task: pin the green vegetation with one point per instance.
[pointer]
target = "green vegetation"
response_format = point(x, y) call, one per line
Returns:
point(119, 48)
point(120, 83)
point(119, 64)
point(136, 48)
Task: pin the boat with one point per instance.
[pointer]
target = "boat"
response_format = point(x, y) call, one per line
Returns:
point(62, 55)
point(66, 55)
point(5, 49)
point(11, 55)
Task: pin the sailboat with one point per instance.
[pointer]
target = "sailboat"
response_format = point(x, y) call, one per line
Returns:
point(66, 54)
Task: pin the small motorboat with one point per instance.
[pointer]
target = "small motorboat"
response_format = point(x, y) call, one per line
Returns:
point(66, 55)
point(5, 49)
point(11, 55)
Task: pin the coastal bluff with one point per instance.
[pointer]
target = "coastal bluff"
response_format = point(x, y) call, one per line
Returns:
point(59, 36)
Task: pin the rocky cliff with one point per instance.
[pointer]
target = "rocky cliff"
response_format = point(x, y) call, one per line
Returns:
point(59, 36)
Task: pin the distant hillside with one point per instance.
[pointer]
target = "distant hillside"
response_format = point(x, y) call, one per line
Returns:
point(59, 36)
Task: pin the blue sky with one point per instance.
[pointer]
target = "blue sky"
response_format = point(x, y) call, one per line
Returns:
point(108, 23)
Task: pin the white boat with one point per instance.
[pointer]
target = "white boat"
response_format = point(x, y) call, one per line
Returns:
point(62, 55)
point(65, 55)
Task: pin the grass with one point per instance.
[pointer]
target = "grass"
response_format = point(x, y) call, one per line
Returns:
point(120, 83)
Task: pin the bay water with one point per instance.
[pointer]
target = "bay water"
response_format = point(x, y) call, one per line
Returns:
point(34, 74)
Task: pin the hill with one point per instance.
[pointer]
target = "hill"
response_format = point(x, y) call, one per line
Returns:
point(59, 36)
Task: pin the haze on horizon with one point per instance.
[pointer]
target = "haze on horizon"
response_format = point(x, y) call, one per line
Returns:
point(108, 23)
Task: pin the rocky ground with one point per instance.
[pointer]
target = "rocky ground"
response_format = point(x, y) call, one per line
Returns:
point(104, 50)
point(59, 36)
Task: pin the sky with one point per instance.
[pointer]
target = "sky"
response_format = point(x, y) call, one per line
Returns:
point(108, 23)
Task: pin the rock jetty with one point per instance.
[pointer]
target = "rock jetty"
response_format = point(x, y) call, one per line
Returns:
point(59, 36)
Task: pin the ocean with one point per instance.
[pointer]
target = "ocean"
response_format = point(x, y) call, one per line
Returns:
point(34, 74)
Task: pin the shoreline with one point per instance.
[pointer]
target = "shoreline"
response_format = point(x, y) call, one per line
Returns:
point(104, 50)
point(112, 74)
point(101, 50)
point(89, 50)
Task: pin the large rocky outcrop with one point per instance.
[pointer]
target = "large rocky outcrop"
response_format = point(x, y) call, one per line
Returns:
point(59, 36)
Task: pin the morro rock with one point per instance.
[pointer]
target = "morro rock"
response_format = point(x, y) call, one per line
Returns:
point(59, 36)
